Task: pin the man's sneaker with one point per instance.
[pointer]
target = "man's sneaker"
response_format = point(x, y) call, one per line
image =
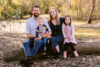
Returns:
point(29, 58)
point(26, 63)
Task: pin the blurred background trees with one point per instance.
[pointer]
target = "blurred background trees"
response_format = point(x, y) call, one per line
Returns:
point(78, 9)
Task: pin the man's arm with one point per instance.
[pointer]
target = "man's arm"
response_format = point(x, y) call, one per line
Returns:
point(28, 32)
point(49, 30)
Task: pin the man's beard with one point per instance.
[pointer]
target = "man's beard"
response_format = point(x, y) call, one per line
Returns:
point(36, 15)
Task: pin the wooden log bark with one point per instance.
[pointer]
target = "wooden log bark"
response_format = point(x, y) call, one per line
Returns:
point(88, 47)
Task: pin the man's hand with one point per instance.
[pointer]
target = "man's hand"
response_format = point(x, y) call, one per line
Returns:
point(30, 36)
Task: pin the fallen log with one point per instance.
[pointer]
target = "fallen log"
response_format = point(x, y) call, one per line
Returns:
point(81, 47)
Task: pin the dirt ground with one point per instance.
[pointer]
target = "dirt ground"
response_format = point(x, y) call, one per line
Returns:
point(85, 60)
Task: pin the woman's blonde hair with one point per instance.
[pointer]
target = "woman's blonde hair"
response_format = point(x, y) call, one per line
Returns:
point(57, 15)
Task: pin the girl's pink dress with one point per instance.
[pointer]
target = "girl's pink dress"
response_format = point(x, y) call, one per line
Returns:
point(68, 33)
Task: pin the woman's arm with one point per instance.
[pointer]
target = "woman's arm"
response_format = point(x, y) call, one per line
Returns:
point(46, 23)
point(63, 30)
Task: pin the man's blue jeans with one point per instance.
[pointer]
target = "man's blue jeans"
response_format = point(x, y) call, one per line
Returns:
point(34, 50)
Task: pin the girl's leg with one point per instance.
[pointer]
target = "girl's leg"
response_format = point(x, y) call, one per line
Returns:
point(65, 54)
point(65, 49)
point(74, 50)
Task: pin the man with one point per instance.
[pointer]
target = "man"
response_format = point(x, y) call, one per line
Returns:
point(31, 26)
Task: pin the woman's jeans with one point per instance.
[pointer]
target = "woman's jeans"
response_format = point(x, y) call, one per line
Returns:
point(54, 41)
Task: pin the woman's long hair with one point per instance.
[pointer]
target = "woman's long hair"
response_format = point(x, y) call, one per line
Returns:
point(57, 15)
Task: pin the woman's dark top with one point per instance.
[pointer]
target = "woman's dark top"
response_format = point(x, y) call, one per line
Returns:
point(56, 29)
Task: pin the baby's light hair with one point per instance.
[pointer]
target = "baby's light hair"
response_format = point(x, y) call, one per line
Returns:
point(39, 18)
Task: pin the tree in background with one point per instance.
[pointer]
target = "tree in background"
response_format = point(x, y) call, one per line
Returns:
point(91, 14)
point(78, 9)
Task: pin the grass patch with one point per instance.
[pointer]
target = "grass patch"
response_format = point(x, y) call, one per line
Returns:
point(79, 21)
point(87, 32)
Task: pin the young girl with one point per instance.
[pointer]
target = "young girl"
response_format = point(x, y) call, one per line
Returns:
point(69, 39)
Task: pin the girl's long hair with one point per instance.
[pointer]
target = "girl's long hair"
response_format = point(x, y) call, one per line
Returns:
point(70, 19)
point(57, 15)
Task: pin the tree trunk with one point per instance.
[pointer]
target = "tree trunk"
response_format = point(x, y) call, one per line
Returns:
point(21, 16)
point(9, 2)
point(91, 14)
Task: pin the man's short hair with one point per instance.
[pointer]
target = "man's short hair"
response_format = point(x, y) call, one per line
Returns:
point(36, 7)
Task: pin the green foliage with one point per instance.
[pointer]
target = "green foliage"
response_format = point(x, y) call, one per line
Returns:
point(78, 9)
point(2, 1)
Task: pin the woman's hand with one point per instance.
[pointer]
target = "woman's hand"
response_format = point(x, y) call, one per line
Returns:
point(37, 39)
point(49, 36)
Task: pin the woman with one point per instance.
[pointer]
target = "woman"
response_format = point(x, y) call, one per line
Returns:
point(55, 23)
